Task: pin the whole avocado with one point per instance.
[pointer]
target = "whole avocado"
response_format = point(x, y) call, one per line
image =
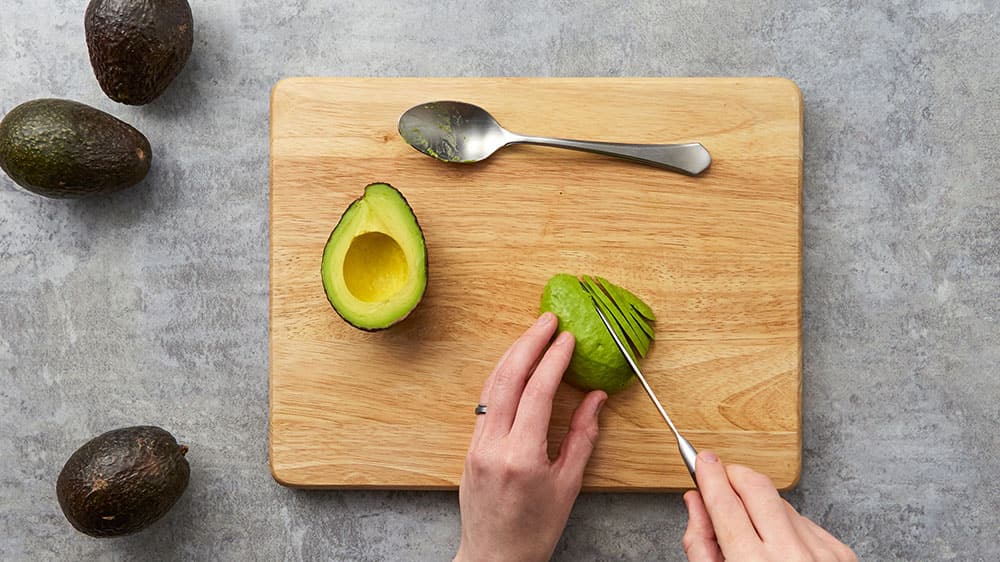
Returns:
point(65, 149)
point(138, 47)
point(122, 481)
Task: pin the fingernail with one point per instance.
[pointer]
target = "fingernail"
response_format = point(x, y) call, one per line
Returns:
point(564, 338)
point(600, 405)
point(708, 456)
point(545, 319)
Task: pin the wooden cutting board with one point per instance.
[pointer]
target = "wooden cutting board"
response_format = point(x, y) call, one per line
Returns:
point(718, 257)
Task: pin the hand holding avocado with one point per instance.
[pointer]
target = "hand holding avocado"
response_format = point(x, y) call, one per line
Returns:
point(515, 501)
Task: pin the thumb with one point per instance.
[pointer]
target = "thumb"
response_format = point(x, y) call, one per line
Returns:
point(582, 436)
point(699, 540)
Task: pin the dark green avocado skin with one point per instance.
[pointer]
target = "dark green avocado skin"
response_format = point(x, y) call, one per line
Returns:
point(122, 481)
point(64, 149)
point(138, 47)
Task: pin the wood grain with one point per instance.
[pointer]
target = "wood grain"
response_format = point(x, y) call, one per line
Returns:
point(718, 257)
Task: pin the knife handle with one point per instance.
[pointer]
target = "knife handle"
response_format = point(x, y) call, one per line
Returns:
point(690, 456)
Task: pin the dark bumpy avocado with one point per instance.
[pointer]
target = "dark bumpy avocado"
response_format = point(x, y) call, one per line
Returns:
point(137, 47)
point(375, 262)
point(122, 481)
point(61, 148)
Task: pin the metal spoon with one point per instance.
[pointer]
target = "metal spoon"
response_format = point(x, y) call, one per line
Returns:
point(454, 131)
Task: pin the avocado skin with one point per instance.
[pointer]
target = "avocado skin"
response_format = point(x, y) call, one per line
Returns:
point(122, 481)
point(65, 149)
point(138, 47)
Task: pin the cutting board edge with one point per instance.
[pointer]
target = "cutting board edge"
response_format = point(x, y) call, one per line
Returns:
point(281, 83)
point(783, 483)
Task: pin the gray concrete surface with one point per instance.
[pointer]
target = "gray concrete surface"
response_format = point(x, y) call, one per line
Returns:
point(151, 305)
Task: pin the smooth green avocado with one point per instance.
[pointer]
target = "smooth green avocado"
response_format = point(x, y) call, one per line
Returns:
point(122, 481)
point(138, 47)
point(375, 263)
point(65, 149)
point(597, 362)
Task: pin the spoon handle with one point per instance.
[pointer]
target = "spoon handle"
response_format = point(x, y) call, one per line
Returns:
point(691, 159)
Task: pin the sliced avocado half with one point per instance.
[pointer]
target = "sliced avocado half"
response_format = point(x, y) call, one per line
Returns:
point(375, 263)
point(629, 305)
point(619, 323)
point(597, 363)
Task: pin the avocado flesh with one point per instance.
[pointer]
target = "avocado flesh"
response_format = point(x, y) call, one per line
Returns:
point(122, 481)
point(138, 47)
point(628, 333)
point(65, 149)
point(597, 363)
point(631, 316)
point(374, 266)
point(622, 295)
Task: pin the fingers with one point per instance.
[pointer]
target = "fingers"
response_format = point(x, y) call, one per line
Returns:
point(830, 542)
point(749, 518)
point(699, 539)
point(484, 395)
point(801, 523)
point(579, 442)
point(807, 536)
point(764, 506)
point(508, 382)
point(733, 530)
point(535, 409)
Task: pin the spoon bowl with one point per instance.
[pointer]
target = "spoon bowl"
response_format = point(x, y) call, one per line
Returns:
point(454, 131)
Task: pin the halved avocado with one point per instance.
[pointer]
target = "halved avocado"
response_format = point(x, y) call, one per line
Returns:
point(375, 262)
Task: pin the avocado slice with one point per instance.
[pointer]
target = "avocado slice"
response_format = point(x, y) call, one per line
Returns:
point(624, 299)
point(597, 363)
point(138, 47)
point(624, 295)
point(122, 481)
point(65, 149)
point(630, 335)
point(375, 262)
